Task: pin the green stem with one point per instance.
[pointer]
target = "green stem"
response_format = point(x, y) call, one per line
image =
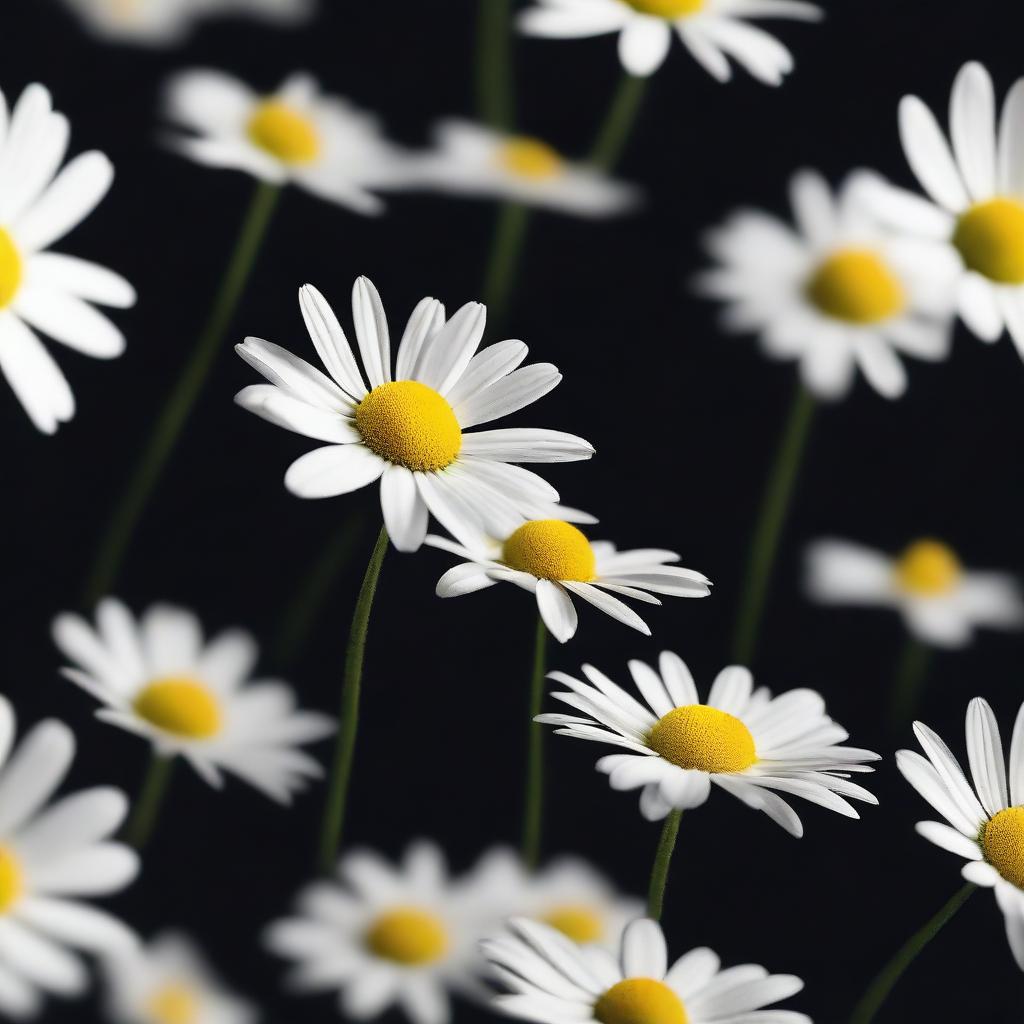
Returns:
point(893, 971)
point(908, 682)
point(150, 799)
point(772, 516)
point(345, 748)
point(615, 130)
point(662, 860)
point(534, 809)
point(135, 497)
point(495, 101)
point(506, 251)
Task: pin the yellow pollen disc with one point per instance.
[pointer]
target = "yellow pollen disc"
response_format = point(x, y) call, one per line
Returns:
point(284, 133)
point(1002, 839)
point(990, 238)
point(576, 922)
point(667, 8)
point(696, 736)
point(530, 158)
point(550, 550)
point(10, 269)
point(928, 568)
point(855, 285)
point(182, 706)
point(174, 1004)
point(640, 1001)
point(408, 936)
point(411, 425)
point(11, 883)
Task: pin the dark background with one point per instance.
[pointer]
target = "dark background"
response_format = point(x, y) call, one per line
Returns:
point(684, 420)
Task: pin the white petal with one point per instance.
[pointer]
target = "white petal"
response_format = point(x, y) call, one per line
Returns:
point(337, 469)
point(371, 331)
point(330, 341)
point(929, 156)
point(949, 839)
point(972, 121)
point(446, 355)
point(985, 751)
point(556, 609)
point(69, 320)
point(1011, 142)
point(977, 306)
point(405, 514)
point(643, 45)
point(34, 376)
point(644, 953)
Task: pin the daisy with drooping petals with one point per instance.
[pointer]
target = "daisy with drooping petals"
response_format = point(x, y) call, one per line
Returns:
point(50, 857)
point(552, 981)
point(49, 291)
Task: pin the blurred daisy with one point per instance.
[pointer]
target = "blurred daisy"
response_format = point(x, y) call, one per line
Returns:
point(159, 679)
point(836, 292)
point(553, 560)
point(712, 30)
point(408, 428)
point(49, 291)
point(552, 981)
point(295, 135)
point(50, 857)
point(941, 602)
point(750, 744)
point(167, 982)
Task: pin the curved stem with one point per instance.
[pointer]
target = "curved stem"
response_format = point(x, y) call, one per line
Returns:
point(908, 682)
point(503, 262)
point(615, 130)
point(147, 807)
point(345, 747)
point(495, 101)
point(662, 860)
point(534, 810)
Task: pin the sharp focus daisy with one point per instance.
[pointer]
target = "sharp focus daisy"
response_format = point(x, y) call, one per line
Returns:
point(712, 30)
point(294, 135)
point(552, 981)
point(836, 292)
point(752, 745)
point(40, 290)
point(986, 820)
point(158, 678)
point(51, 857)
point(408, 428)
point(941, 602)
point(168, 982)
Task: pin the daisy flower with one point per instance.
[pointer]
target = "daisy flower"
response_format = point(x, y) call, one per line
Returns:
point(49, 291)
point(712, 30)
point(553, 981)
point(167, 982)
point(941, 602)
point(752, 745)
point(408, 428)
point(50, 857)
point(836, 292)
point(553, 560)
point(159, 679)
point(986, 820)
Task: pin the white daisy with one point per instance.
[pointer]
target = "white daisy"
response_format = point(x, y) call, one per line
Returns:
point(712, 30)
point(158, 679)
point(50, 857)
point(553, 559)
point(942, 603)
point(168, 982)
point(987, 820)
point(552, 981)
point(49, 291)
point(408, 429)
point(750, 744)
point(836, 291)
point(294, 135)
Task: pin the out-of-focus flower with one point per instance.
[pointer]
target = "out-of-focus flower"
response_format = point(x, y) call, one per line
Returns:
point(712, 30)
point(941, 602)
point(167, 982)
point(836, 291)
point(295, 135)
point(50, 857)
point(408, 429)
point(49, 291)
point(552, 981)
point(158, 679)
point(750, 744)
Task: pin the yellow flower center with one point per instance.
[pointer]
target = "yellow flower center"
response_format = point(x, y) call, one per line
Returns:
point(284, 133)
point(180, 705)
point(697, 736)
point(990, 238)
point(410, 424)
point(174, 1003)
point(10, 269)
point(408, 936)
point(550, 550)
point(11, 881)
point(928, 568)
point(1002, 839)
point(640, 1001)
point(855, 285)
point(579, 923)
point(530, 158)
point(667, 8)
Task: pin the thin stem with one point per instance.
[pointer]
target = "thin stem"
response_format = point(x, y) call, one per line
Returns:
point(150, 799)
point(133, 500)
point(495, 99)
point(615, 130)
point(345, 748)
point(908, 682)
point(772, 516)
point(880, 988)
point(534, 810)
point(503, 262)
point(662, 860)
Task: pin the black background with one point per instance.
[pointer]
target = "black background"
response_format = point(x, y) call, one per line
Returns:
point(684, 420)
